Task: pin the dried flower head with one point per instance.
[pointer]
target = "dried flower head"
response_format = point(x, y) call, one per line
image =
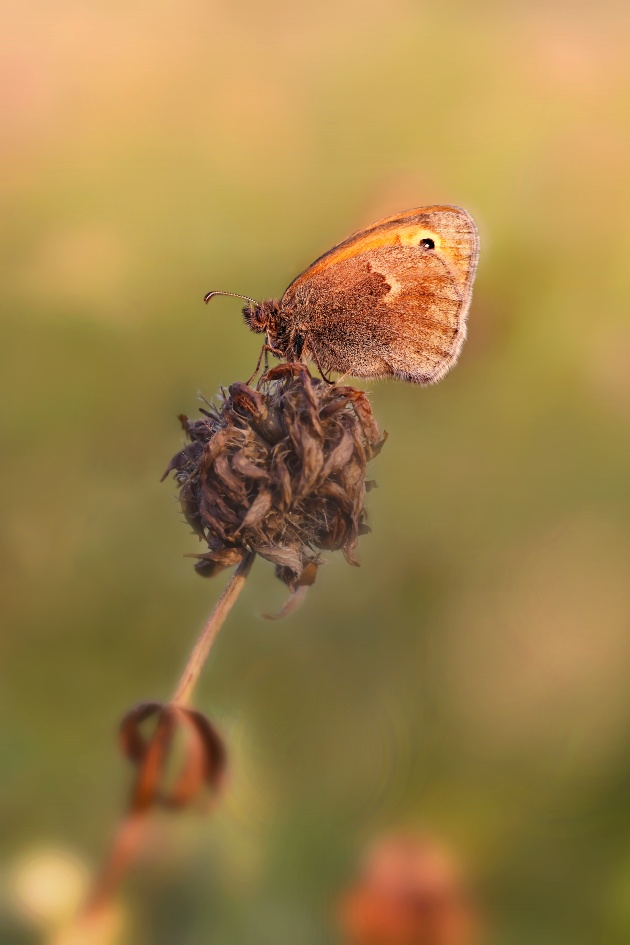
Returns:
point(278, 470)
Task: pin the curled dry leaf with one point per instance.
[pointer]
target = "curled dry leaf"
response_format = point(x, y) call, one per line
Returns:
point(280, 471)
point(175, 730)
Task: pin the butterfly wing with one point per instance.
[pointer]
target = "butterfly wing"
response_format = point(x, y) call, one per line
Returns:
point(392, 299)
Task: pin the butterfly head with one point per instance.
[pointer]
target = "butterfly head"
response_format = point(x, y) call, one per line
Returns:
point(262, 316)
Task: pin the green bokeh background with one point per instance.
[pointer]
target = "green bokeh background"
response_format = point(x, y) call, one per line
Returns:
point(472, 678)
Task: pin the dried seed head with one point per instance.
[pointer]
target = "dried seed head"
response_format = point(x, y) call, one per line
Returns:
point(279, 470)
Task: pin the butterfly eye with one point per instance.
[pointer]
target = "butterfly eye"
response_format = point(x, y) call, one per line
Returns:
point(428, 244)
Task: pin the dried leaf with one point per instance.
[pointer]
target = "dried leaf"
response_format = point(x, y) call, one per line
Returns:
point(200, 770)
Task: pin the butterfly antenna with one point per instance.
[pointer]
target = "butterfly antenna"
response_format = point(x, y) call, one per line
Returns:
point(235, 295)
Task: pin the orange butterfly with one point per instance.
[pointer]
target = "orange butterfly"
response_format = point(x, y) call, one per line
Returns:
point(389, 301)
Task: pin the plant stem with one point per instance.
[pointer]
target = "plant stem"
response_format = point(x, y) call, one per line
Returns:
point(208, 635)
point(129, 835)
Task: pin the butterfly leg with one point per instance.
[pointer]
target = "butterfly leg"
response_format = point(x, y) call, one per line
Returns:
point(265, 350)
point(319, 367)
point(321, 371)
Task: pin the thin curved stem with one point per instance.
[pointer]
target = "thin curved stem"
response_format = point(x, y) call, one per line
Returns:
point(129, 836)
point(208, 635)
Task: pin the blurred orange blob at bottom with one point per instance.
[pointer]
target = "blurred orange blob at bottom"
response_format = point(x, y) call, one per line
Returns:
point(409, 892)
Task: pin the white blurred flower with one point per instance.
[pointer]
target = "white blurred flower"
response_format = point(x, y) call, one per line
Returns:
point(48, 885)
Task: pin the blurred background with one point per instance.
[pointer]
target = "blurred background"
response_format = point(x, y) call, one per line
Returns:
point(472, 679)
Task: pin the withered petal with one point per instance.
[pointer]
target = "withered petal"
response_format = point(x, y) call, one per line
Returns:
point(204, 760)
point(208, 569)
point(221, 440)
point(257, 510)
point(284, 557)
point(312, 462)
point(245, 399)
point(349, 549)
point(335, 491)
point(308, 576)
point(340, 455)
point(215, 755)
point(291, 604)
point(282, 478)
point(227, 557)
point(132, 742)
point(234, 484)
point(202, 766)
point(247, 468)
point(336, 535)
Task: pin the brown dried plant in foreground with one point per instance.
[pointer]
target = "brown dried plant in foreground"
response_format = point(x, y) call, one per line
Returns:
point(279, 471)
point(180, 760)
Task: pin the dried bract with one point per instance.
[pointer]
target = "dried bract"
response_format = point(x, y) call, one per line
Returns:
point(166, 776)
point(279, 470)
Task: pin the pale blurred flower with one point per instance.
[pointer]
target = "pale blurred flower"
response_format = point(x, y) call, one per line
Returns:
point(47, 885)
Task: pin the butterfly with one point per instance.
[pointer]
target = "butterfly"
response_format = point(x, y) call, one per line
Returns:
point(389, 301)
